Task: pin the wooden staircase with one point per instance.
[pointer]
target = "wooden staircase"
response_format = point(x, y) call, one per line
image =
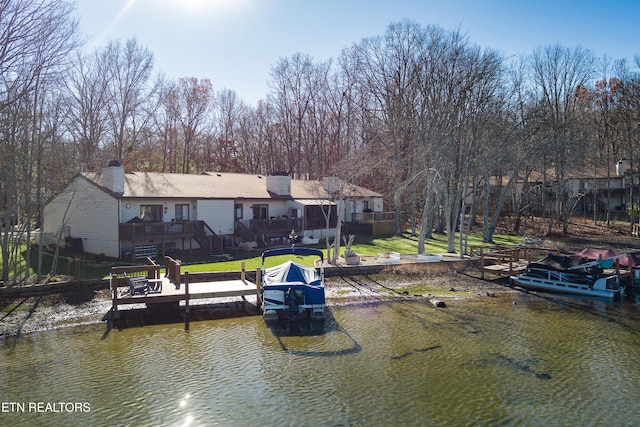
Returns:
point(250, 235)
point(208, 240)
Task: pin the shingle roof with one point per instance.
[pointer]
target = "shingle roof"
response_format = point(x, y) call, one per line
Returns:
point(217, 185)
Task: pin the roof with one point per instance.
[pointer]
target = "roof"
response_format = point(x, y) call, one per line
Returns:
point(587, 174)
point(217, 185)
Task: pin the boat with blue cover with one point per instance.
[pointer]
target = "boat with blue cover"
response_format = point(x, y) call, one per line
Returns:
point(290, 290)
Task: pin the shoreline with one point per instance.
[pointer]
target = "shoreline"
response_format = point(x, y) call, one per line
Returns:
point(29, 314)
point(447, 281)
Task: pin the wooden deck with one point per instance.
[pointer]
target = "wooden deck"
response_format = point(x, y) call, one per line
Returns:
point(505, 261)
point(507, 269)
point(173, 287)
point(186, 291)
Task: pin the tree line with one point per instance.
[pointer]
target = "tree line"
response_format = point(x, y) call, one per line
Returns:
point(419, 113)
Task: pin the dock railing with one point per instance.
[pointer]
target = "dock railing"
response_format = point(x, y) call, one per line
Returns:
point(119, 273)
point(172, 269)
point(208, 288)
point(505, 259)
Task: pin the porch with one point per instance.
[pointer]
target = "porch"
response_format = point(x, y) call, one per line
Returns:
point(167, 236)
point(268, 232)
point(372, 223)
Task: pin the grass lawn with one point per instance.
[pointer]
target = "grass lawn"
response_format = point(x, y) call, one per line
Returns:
point(364, 245)
point(86, 266)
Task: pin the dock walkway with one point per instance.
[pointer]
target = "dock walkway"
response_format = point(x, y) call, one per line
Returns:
point(175, 293)
point(505, 260)
point(173, 287)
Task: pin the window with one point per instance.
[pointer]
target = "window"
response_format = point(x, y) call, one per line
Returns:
point(365, 206)
point(260, 211)
point(151, 213)
point(182, 212)
point(239, 213)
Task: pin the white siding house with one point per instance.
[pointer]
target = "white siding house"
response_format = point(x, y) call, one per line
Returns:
point(218, 214)
point(119, 214)
point(86, 212)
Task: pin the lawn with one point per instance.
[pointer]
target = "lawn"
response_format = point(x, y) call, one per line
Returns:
point(364, 245)
point(86, 266)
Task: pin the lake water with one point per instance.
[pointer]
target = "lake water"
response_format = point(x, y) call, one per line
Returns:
point(543, 361)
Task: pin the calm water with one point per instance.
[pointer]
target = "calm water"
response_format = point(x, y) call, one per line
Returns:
point(543, 361)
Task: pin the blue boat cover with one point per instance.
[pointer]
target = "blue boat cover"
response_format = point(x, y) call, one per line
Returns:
point(293, 273)
point(293, 251)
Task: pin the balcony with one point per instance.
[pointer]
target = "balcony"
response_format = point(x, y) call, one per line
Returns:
point(372, 223)
point(152, 231)
point(269, 232)
point(161, 232)
point(276, 225)
point(369, 217)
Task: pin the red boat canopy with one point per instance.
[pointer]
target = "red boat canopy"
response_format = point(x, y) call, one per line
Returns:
point(596, 254)
point(633, 257)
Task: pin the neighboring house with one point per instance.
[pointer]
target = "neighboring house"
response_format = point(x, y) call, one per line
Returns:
point(606, 189)
point(126, 215)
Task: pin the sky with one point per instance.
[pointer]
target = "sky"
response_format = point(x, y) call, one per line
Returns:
point(235, 43)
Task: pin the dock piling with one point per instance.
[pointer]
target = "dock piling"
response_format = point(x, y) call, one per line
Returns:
point(259, 288)
point(186, 301)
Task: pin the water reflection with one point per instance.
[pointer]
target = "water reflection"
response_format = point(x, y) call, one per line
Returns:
point(325, 338)
point(516, 359)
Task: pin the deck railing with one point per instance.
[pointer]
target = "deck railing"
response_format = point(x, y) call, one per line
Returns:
point(373, 216)
point(170, 231)
point(276, 225)
point(156, 230)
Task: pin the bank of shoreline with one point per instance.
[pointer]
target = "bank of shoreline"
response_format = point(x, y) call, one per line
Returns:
point(451, 280)
point(90, 304)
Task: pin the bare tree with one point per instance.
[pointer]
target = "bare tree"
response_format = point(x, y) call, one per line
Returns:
point(390, 70)
point(626, 95)
point(295, 83)
point(36, 38)
point(166, 125)
point(224, 151)
point(87, 106)
point(129, 73)
point(250, 139)
point(556, 75)
point(195, 101)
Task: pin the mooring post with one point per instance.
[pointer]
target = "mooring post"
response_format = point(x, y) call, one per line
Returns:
point(242, 271)
point(258, 287)
point(113, 288)
point(186, 301)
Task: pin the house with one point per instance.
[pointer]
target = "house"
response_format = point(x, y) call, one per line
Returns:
point(601, 188)
point(604, 188)
point(136, 214)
